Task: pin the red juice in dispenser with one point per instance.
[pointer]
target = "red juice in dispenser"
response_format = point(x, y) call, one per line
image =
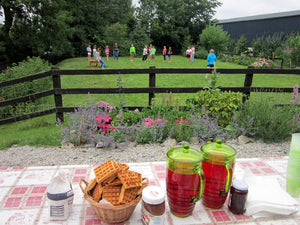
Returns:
point(184, 180)
point(218, 166)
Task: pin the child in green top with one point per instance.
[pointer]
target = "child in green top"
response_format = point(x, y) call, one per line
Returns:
point(132, 52)
point(153, 51)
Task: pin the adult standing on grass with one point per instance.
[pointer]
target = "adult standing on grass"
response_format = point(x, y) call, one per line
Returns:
point(89, 52)
point(193, 53)
point(211, 58)
point(116, 52)
point(170, 54)
point(132, 52)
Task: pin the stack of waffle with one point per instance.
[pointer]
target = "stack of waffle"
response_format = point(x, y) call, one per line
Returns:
point(115, 183)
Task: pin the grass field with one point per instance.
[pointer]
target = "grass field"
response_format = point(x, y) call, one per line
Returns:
point(162, 80)
point(44, 131)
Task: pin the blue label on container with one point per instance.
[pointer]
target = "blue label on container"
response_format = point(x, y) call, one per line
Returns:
point(61, 196)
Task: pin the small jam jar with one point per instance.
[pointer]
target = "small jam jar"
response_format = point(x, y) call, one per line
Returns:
point(238, 197)
point(153, 205)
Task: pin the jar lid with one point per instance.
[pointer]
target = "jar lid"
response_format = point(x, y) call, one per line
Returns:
point(218, 149)
point(153, 195)
point(240, 185)
point(185, 154)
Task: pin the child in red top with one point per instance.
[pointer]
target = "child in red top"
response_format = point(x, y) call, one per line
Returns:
point(165, 53)
point(107, 52)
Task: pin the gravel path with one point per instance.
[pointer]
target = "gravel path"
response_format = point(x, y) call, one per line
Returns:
point(68, 155)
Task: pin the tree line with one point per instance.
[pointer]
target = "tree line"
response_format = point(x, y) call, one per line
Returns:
point(59, 29)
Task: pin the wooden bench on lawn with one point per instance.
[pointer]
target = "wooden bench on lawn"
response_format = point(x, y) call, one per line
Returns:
point(94, 63)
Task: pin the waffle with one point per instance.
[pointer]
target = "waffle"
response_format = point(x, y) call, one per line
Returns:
point(123, 166)
point(110, 179)
point(115, 182)
point(91, 185)
point(106, 170)
point(112, 194)
point(130, 179)
point(128, 195)
point(97, 193)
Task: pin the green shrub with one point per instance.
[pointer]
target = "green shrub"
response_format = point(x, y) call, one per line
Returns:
point(201, 53)
point(221, 105)
point(25, 68)
point(272, 123)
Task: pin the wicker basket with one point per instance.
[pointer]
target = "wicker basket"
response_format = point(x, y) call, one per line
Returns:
point(110, 214)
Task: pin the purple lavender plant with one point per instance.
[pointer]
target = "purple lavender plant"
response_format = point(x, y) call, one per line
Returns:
point(296, 93)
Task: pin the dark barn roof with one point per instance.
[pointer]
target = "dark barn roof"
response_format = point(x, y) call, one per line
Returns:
point(257, 26)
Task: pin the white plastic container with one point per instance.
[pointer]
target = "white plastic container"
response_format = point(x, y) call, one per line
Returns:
point(60, 197)
point(293, 169)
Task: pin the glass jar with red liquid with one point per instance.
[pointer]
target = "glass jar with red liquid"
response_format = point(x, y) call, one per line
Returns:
point(185, 180)
point(218, 165)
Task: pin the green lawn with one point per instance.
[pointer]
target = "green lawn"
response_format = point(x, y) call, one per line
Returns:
point(44, 131)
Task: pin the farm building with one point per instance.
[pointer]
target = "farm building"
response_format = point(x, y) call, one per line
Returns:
point(259, 25)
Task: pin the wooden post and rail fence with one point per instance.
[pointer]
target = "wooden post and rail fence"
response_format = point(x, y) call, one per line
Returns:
point(58, 91)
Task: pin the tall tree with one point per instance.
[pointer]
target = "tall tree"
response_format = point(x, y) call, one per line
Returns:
point(172, 20)
point(57, 28)
point(215, 37)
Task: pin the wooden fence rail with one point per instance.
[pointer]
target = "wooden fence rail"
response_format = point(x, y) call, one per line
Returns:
point(57, 91)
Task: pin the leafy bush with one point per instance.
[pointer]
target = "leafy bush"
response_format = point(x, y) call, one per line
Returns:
point(201, 53)
point(28, 67)
point(214, 37)
point(242, 44)
point(272, 123)
point(294, 42)
point(266, 46)
point(221, 105)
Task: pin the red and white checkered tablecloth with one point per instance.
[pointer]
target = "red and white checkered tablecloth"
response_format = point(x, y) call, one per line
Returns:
point(23, 197)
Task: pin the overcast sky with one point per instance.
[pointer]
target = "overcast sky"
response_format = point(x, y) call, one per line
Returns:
point(239, 8)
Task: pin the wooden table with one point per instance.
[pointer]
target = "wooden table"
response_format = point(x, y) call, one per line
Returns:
point(23, 194)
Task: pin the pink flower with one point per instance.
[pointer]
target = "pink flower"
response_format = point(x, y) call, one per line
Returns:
point(107, 119)
point(106, 127)
point(137, 111)
point(99, 118)
point(6, 71)
point(147, 124)
point(148, 119)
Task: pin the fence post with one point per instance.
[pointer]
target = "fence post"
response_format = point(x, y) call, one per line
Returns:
point(152, 81)
point(57, 95)
point(248, 83)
